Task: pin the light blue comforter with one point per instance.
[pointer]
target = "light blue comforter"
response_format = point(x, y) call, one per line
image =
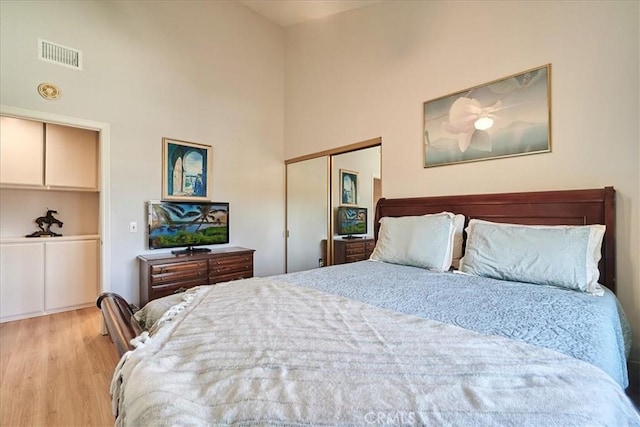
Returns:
point(593, 329)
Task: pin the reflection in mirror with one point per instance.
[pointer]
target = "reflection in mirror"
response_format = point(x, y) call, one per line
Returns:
point(363, 167)
point(307, 213)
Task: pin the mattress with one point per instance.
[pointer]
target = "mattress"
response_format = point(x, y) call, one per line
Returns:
point(284, 351)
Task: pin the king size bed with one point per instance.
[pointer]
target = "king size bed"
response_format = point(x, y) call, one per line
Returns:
point(518, 333)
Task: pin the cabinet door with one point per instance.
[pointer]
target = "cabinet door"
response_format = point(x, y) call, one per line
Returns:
point(21, 151)
point(71, 273)
point(72, 157)
point(21, 279)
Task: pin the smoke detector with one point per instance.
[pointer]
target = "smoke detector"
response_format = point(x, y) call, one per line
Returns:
point(48, 91)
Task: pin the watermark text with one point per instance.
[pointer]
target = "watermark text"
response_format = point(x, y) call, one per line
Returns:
point(396, 418)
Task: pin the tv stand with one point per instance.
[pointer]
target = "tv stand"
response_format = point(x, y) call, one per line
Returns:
point(165, 274)
point(190, 250)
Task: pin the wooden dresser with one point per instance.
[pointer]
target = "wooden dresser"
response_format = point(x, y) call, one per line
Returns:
point(166, 274)
point(352, 250)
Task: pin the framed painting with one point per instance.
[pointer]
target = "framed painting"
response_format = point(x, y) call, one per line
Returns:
point(348, 188)
point(186, 170)
point(503, 118)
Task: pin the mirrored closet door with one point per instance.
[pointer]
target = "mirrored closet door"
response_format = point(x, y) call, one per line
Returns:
point(307, 213)
point(321, 188)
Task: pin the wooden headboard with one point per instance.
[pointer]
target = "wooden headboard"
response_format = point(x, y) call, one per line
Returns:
point(567, 207)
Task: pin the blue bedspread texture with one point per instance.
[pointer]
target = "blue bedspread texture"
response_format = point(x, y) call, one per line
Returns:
point(589, 328)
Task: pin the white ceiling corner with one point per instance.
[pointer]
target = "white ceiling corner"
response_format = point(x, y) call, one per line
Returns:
point(290, 12)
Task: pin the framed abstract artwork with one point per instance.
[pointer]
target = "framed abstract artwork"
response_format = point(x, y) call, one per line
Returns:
point(503, 118)
point(348, 188)
point(186, 170)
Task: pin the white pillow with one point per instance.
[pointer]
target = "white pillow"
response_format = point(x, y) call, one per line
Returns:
point(556, 255)
point(420, 241)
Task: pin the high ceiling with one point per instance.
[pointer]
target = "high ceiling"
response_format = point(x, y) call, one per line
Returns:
point(291, 12)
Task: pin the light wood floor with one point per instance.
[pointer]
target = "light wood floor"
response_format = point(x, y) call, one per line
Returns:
point(55, 371)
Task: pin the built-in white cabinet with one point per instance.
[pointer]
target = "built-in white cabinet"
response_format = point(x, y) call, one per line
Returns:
point(71, 158)
point(47, 276)
point(48, 166)
point(21, 151)
point(71, 274)
point(21, 280)
point(36, 154)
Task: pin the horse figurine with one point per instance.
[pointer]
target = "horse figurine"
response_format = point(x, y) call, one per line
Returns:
point(45, 223)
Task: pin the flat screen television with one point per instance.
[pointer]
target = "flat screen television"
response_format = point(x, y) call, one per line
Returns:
point(350, 221)
point(187, 224)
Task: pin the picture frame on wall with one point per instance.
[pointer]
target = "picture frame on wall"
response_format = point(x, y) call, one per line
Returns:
point(507, 117)
point(348, 188)
point(186, 170)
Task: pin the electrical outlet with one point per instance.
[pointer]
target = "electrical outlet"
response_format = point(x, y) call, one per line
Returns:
point(133, 227)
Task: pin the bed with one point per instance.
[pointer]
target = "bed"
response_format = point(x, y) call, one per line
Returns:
point(387, 342)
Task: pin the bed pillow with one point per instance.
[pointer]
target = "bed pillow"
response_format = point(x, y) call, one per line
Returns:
point(154, 309)
point(458, 222)
point(420, 241)
point(564, 256)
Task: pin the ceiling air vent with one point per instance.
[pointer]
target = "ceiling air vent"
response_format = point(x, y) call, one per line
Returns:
point(58, 54)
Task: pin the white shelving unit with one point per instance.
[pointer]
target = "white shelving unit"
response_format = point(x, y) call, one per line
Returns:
point(47, 166)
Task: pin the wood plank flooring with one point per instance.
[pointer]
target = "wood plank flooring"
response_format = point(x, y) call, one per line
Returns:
point(55, 371)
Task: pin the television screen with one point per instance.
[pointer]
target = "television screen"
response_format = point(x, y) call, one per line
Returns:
point(174, 224)
point(351, 221)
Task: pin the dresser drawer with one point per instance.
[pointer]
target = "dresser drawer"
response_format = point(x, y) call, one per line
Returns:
point(177, 272)
point(370, 245)
point(355, 258)
point(353, 249)
point(230, 264)
point(245, 274)
point(230, 261)
point(159, 291)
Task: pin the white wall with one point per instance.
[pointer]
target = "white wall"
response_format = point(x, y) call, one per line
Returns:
point(366, 73)
point(206, 72)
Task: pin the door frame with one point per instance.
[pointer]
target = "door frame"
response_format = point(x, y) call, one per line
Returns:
point(103, 130)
